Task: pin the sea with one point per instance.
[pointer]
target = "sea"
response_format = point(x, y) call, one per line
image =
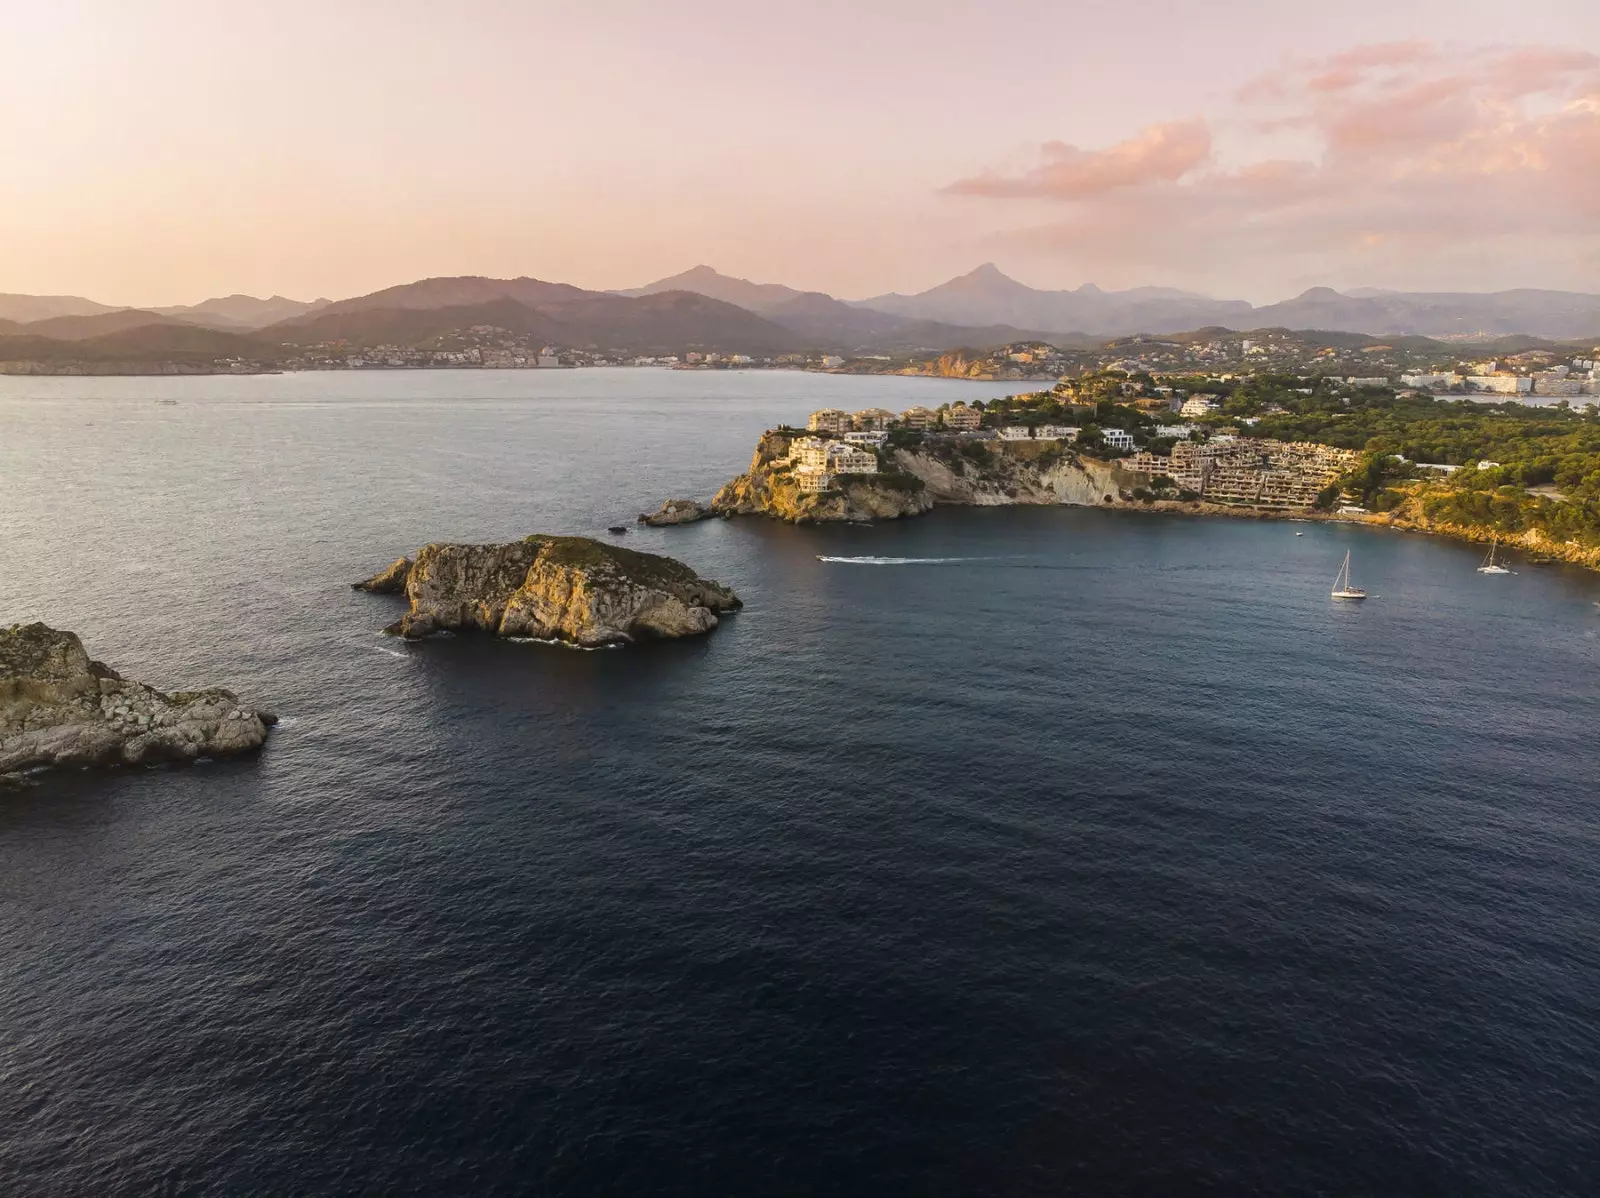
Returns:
point(1028, 851)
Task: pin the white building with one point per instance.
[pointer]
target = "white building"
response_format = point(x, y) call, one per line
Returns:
point(859, 438)
point(1016, 432)
point(1502, 384)
point(832, 362)
point(1117, 438)
point(1199, 405)
point(1429, 381)
point(1055, 432)
point(1379, 381)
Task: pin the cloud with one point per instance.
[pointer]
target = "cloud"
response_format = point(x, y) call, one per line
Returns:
point(1408, 156)
point(1160, 153)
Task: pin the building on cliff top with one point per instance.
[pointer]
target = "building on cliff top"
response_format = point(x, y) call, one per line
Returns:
point(872, 420)
point(919, 419)
point(1055, 432)
point(962, 418)
point(829, 420)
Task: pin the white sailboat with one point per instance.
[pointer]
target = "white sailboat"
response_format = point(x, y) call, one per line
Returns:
point(1489, 566)
point(1341, 583)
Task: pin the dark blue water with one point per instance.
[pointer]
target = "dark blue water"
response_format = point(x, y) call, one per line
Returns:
point(1102, 854)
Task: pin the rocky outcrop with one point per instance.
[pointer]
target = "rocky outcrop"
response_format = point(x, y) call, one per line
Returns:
point(770, 488)
point(936, 471)
point(387, 582)
point(676, 511)
point(570, 589)
point(59, 708)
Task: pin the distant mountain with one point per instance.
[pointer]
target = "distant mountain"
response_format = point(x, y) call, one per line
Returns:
point(242, 311)
point(987, 296)
point(663, 322)
point(174, 341)
point(704, 280)
point(1552, 314)
point(455, 292)
point(79, 328)
point(27, 308)
point(827, 323)
point(364, 327)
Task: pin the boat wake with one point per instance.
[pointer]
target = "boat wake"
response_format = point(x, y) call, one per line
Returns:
point(899, 561)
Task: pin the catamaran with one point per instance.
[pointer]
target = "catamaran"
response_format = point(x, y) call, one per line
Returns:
point(1489, 566)
point(1341, 583)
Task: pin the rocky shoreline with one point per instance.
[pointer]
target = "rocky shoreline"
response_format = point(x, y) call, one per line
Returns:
point(572, 590)
point(914, 482)
point(59, 708)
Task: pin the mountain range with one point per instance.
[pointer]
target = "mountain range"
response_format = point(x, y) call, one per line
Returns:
point(704, 309)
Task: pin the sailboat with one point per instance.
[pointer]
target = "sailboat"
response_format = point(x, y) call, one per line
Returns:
point(1341, 583)
point(1489, 566)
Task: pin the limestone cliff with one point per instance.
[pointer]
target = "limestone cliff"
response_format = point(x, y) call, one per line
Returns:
point(571, 589)
point(998, 474)
point(770, 488)
point(59, 708)
point(982, 474)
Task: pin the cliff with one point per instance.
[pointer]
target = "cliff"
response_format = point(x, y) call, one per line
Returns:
point(769, 488)
point(59, 708)
point(569, 589)
point(983, 474)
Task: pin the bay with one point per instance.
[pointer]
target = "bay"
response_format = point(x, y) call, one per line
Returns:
point(1008, 851)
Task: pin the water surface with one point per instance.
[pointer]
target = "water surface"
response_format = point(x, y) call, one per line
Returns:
point(1003, 852)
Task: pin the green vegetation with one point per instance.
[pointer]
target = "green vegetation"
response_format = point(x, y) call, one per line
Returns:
point(1506, 450)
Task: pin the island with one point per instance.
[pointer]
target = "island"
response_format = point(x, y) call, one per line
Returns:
point(568, 590)
point(60, 708)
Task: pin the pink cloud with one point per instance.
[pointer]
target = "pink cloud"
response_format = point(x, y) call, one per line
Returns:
point(1415, 151)
point(1160, 153)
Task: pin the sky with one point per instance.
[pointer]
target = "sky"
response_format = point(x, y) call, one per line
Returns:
point(164, 151)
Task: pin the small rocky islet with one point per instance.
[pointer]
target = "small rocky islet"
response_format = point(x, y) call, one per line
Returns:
point(571, 590)
point(61, 708)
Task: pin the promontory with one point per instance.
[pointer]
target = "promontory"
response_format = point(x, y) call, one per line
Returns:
point(60, 708)
point(573, 590)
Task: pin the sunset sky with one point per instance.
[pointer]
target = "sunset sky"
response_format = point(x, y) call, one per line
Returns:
point(168, 150)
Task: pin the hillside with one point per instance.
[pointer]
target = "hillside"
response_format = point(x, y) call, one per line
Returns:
point(24, 309)
point(80, 328)
point(363, 327)
point(242, 311)
point(663, 323)
point(151, 343)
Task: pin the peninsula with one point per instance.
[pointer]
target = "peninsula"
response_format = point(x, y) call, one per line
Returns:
point(1262, 445)
point(571, 590)
point(60, 708)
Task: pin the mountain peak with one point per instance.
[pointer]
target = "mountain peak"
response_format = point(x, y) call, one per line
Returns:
point(1089, 289)
point(1320, 293)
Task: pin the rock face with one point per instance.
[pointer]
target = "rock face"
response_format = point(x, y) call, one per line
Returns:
point(59, 708)
point(571, 589)
point(771, 489)
point(676, 511)
point(997, 475)
point(387, 582)
point(981, 474)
